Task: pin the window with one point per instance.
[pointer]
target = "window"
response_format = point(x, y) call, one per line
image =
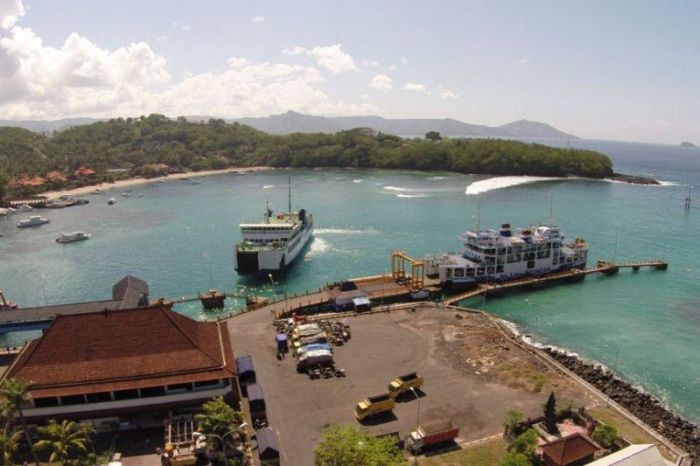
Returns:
point(499, 269)
point(531, 265)
point(180, 387)
point(130, 394)
point(46, 402)
point(459, 272)
point(152, 391)
point(73, 400)
point(207, 384)
point(98, 397)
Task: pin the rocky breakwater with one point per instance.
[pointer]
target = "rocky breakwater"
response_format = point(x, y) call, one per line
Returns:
point(681, 432)
point(633, 179)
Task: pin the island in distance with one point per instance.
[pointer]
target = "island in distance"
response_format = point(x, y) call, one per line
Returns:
point(688, 144)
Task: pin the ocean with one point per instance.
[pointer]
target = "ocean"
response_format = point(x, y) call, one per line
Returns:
point(645, 325)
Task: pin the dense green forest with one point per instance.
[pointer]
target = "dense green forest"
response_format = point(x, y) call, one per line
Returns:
point(137, 144)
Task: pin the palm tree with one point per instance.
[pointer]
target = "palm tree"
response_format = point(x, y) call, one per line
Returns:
point(9, 444)
point(219, 420)
point(63, 440)
point(15, 392)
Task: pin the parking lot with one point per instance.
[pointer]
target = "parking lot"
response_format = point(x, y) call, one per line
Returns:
point(383, 346)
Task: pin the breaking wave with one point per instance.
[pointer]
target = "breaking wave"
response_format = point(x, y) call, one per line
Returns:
point(268, 186)
point(395, 188)
point(318, 246)
point(357, 180)
point(342, 231)
point(411, 196)
point(501, 182)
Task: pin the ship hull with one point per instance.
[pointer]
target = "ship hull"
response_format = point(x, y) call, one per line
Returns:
point(266, 261)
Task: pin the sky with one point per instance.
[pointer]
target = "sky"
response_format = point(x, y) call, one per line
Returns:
point(622, 70)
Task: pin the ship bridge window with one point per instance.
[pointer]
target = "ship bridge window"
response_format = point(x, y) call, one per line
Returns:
point(470, 272)
point(459, 272)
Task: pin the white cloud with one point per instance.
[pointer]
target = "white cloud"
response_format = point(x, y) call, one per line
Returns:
point(238, 62)
point(183, 27)
point(330, 57)
point(162, 38)
point(257, 19)
point(404, 61)
point(415, 87)
point(10, 10)
point(381, 81)
point(370, 63)
point(449, 95)
point(393, 67)
point(524, 61)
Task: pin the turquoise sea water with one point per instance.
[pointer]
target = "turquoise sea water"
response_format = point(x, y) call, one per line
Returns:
point(645, 324)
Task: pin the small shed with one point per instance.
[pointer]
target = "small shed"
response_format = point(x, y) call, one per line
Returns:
point(268, 446)
point(256, 401)
point(573, 450)
point(344, 299)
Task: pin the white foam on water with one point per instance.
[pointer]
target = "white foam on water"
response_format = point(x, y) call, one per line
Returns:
point(342, 231)
point(395, 188)
point(268, 186)
point(318, 246)
point(411, 196)
point(501, 182)
point(358, 180)
point(437, 178)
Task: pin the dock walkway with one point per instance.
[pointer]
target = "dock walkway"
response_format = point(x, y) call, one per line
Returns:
point(604, 267)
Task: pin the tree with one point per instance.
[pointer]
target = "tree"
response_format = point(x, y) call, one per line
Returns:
point(433, 136)
point(343, 445)
point(15, 392)
point(605, 435)
point(66, 441)
point(550, 415)
point(4, 180)
point(218, 420)
point(516, 459)
point(513, 417)
point(9, 444)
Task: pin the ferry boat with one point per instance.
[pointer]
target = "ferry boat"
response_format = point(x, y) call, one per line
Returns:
point(33, 221)
point(498, 255)
point(274, 244)
point(72, 237)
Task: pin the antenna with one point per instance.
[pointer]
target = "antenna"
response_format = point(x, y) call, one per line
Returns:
point(477, 217)
point(289, 187)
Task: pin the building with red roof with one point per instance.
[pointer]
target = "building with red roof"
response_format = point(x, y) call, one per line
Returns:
point(120, 364)
point(572, 450)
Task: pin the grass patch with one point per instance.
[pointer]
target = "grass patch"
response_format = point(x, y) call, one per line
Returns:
point(625, 428)
point(483, 454)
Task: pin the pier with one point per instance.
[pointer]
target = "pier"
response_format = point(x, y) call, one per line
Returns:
point(603, 266)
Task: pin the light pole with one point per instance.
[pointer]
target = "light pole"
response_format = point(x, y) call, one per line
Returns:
point(415, 393)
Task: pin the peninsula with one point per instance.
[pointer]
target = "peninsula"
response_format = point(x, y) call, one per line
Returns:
point(155, 145)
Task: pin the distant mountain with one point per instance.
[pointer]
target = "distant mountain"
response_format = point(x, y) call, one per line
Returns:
point(687, 144)
point(293, 122)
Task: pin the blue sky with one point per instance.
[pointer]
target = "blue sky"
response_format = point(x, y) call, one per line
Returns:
point(627, 70)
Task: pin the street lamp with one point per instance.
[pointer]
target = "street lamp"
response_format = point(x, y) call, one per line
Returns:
point(415, 393)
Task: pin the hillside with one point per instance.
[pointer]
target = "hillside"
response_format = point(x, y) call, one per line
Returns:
point(156, 145)
point(293, 122)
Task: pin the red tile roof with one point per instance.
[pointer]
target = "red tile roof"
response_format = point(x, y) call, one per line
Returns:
point(123, 349)
point(568, 450)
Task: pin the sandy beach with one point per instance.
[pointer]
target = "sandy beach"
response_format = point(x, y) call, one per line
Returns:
point(51, 195)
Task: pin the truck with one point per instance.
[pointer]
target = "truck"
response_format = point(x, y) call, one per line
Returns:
point(374, 405)
point(404, 383)
point(429, 435)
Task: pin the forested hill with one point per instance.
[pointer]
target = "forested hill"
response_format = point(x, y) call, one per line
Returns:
point(145, 145)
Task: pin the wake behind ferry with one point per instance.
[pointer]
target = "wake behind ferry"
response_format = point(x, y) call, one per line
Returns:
point(497, 255)
point(274, 244)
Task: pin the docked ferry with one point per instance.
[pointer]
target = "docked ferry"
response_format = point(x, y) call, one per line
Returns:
point(273, 244)
point(498, 255)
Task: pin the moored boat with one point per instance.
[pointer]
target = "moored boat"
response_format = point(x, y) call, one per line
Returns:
point(498, 255)
point(111, 201)
point(72, 237)
point(273, 244)
point(33, 221)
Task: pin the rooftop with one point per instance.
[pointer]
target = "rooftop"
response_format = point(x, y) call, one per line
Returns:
point(570, 449)
point(123, 349)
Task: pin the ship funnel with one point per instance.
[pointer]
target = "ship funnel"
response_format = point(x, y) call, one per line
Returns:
point(505, 230)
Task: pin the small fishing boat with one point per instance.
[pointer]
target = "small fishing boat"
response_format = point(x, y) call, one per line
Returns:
point(72, 237)
point(33, 221)
point(194, 182)
point(125, 194)
point(111, 201)
point(26, 208)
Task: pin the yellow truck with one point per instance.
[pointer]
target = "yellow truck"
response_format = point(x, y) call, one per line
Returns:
point(373, 406)
point(404, 383)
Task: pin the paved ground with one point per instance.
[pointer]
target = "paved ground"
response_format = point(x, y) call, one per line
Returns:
point(382, 347)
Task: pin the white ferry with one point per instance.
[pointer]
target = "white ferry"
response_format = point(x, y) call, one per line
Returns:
point(497, 255)
point(274, 244)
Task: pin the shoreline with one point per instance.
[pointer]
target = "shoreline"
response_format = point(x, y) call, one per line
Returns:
point(53, 195)
point(653, 412)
